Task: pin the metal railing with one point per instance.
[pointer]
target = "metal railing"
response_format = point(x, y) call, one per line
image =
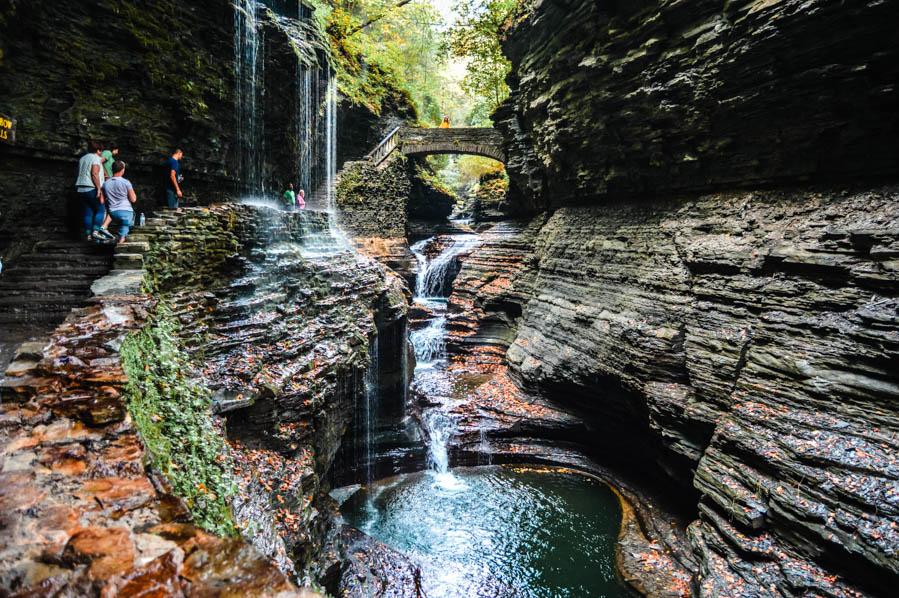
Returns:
point(385, 148)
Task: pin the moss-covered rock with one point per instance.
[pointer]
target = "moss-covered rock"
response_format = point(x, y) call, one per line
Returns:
point(372, 200)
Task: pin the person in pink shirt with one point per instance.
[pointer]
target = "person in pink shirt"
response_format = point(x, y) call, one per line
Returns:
point(301, 200)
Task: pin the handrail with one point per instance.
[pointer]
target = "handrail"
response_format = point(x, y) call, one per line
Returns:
point(385, 148)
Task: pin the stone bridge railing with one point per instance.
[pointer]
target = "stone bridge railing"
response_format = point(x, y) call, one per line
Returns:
point(430, 141)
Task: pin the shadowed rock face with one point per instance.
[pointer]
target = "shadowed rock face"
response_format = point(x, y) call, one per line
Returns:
point(742, 341)
point(643, 98)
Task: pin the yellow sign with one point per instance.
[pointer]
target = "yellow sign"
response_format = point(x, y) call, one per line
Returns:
point(7, 130)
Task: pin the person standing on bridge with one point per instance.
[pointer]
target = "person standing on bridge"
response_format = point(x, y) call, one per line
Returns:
point(445, 124)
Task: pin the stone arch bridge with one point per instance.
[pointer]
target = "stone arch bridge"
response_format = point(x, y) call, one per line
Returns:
point(413, 141)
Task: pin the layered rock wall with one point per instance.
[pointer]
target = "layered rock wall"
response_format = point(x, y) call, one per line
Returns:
point(714, 287)
point(646, 98)
point(148, 74)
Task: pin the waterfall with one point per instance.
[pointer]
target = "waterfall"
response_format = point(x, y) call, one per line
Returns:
point(432, 274)
point(431, 289)
point(314, 127)
point(331, 142)
point(248, 62)
point(372, 399)
point(441, 429)
point(429, 341)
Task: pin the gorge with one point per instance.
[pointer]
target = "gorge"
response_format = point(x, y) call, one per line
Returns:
point(668, 367)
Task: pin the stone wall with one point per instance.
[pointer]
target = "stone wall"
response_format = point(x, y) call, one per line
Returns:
point(645, 98)
point(372, 200)
point(479, 141)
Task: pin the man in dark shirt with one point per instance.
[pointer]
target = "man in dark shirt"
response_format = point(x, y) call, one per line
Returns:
point(173, 180)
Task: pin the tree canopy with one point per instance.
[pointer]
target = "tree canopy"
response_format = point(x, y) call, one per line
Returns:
point(402, 46)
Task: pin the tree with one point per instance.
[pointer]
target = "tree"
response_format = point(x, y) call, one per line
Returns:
point(476, 38)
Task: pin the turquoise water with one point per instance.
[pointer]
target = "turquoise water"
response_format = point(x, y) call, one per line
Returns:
point(498, 531)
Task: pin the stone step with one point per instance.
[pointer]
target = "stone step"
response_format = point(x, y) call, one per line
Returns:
point(128, 261)
point(61, 258)
point(40, 322)
point(42, 272)
point(39, 303)
point(132, 247)
point(46, 286)
point(65, 245)
point(140, 237)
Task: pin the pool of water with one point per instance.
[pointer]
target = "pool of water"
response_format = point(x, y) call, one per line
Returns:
point(498, 531)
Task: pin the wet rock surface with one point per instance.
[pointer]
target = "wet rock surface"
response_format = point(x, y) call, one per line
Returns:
point(276, 318)
point(82, 515)
point(739, 342)
point(376, 570)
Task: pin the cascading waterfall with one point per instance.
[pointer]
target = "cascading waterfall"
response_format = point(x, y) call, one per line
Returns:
point(372, 399)
point(431, 289)
point(248, 60)
point(440, 429)
point(331, 134)
point(315, 94)
point(432, 274)
point(429, 341)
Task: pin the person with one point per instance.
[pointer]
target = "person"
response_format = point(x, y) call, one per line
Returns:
point(173, 180)
point(89, 185)
point(119, 194)
point(445, 124)
point(301, 200)
point(109, 154)
point(290, 198)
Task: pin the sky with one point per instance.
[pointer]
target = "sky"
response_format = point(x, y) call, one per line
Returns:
point(445, 8)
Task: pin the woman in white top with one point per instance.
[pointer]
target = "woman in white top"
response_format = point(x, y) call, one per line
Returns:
point(89, 185)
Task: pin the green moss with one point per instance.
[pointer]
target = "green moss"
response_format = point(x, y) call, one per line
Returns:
point(172, 414)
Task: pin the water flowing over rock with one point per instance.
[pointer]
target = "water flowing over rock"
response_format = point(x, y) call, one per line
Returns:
point(310, 116)
point(276, 318)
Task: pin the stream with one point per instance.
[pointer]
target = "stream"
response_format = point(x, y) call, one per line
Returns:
point(497, 531)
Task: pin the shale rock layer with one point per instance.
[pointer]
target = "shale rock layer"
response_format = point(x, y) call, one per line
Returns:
point(745, 344)
point(631, 98)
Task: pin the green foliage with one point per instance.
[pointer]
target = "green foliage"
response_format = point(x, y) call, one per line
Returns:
point(433, 177)
point(172, 415)
point(404, 48)
point(492, 188)
point(476, 38)
point(473, 169)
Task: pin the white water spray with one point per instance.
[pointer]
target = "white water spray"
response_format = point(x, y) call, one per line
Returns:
point(432, 274)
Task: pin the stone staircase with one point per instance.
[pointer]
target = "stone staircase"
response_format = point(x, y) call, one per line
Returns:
point(40, 288)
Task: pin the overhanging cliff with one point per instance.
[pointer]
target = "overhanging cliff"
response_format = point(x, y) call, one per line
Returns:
point(646, 98)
